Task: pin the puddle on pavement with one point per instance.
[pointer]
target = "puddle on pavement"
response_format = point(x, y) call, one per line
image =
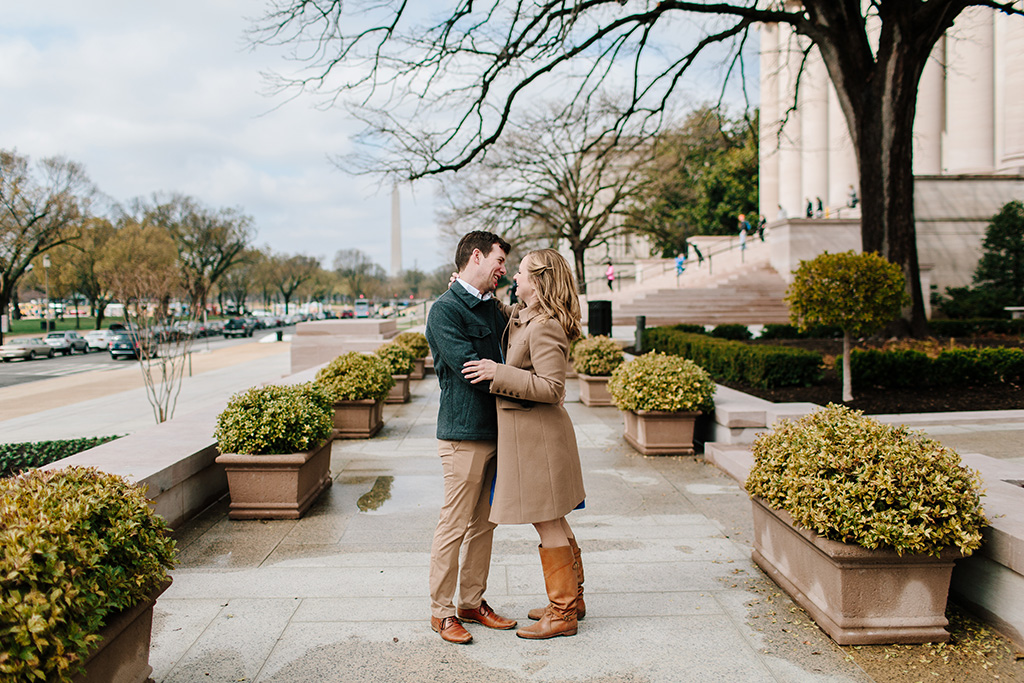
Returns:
point(391, 494)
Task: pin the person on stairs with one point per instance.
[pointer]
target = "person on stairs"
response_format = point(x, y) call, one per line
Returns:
point(539, 477)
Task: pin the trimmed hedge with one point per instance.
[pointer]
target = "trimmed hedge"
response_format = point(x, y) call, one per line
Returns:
point(732, 331)
point(732, 361)
point(779, 331)
point(970, 367)
point(974, 326)
point(15, 457)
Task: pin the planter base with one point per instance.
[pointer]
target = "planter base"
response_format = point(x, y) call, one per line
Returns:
point(358, 419)
point(276, 486)
point(594, 390)
point(400, 392)
point(418, 368)
point(657, 433)
point(123, 652)
point(856, 595)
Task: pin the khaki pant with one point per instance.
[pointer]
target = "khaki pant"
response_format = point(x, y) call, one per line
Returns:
point(463, 526)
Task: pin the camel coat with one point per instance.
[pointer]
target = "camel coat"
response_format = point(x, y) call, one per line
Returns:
point(539, 476)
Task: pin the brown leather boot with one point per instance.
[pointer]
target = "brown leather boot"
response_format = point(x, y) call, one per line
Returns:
point(581, 607)
point(560, 581)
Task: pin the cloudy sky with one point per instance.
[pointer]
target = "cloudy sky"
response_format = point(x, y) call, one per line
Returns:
point(166, 97)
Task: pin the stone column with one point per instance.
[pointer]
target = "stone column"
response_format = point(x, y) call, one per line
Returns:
point(842, 157)
point(790, 155)
point(768, 150)
point(969, 144)
point(931, 106)
point(1010, 87)
point(814, 128)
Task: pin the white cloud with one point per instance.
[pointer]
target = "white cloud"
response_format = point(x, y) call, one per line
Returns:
point(165, 97)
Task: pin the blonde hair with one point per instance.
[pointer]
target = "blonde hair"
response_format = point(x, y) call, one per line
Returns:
point(556, 295)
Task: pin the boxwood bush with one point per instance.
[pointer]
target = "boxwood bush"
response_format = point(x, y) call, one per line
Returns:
point(732, 331)
point(732, 361)
point(908, 368)
point(76, 547)
point(398, 357)
point(852, 479)
point(974, 326)
point(416, 341)
point(780, 331)
point(597, 355)
point(275, 419)
point(355, 376)
point(656, 381)
point(15, 457)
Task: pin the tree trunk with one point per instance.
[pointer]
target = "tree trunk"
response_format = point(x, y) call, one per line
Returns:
point(581, 268)
point(881, 103)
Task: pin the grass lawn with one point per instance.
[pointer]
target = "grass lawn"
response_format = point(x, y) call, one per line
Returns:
point(30, 326)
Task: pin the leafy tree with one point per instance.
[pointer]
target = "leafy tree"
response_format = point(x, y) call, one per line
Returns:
point(859, 293)
point(208, 241)
point(436, 96)
point(77, 261)
point(291, 272)
point(42, 206)
point(703, 173)
point(142, 268)
point(1001, 267)
point(357, 272)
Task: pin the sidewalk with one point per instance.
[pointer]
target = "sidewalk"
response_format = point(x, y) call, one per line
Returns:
point(341, 595)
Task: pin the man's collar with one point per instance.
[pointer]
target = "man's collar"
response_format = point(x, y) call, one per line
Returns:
point(474, 291)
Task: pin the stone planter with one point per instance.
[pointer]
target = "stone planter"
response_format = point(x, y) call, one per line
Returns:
point(659, 433)
point(358, 419)
point(122, 654)
point(856, 595)
point(280, 486)
point(418, 368)
point(428, 364)
point(594, 390)
point(400, 392)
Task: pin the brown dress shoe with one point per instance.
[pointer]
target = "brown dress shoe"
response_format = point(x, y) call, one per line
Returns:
point(451, 630)
point(487, 617)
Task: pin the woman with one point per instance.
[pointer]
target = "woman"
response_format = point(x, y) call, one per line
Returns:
point(539, 479)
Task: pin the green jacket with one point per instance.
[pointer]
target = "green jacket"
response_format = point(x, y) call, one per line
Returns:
point(460, 328)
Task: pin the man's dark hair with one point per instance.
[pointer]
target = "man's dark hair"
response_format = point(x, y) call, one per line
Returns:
point(478, 239)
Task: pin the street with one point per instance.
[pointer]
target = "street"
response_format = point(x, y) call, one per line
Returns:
point(21, 372)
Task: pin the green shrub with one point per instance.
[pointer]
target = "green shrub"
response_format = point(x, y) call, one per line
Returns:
point(689, 328)
point(778, 331)
point(970, 327)
point(732, 331)
point(962, 367)
point(655, 381)
point(15, 457)
point(597, 355)
point(417, 343)
point(398, 357)
point(855, 480)
point(275, 419)
point(355, 376)
point(76, 546)
point(731, 361)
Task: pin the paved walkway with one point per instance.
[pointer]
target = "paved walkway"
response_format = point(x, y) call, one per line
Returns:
point(341, 595)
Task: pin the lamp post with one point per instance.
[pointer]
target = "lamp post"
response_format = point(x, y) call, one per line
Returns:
point(46, 277)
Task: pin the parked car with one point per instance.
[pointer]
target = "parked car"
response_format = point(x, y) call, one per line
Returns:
point(239, 327)
point(99, 339)
point(127, 345)
point(67, 342)
point(27, 349)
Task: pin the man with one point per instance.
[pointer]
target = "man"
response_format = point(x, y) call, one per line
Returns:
point(465, 324)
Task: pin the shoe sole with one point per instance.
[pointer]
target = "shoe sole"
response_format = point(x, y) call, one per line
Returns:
point(553, 635)
point(496, 628)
